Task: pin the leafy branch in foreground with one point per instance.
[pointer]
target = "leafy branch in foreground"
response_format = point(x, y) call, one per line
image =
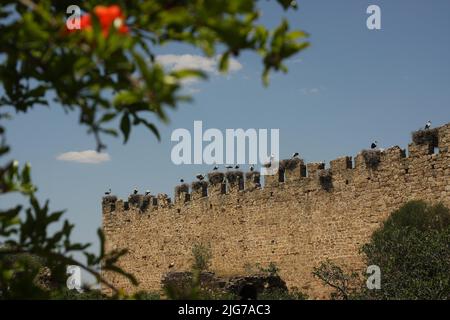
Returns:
point(112, 77)
point(25, 233)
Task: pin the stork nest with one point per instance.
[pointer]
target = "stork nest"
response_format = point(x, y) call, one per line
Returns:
point(234, 176)
point(253, 176)
point(326, 180)
point(199, 185)
point(291, 164)
point(109, 199)
point(427, 136)
point(135, 199)
point(181, 188)
point(372, 158)
point(215, 177)
point(146, 201)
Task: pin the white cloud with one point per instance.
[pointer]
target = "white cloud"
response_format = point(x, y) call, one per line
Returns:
point(190, 61)
point(87, 156)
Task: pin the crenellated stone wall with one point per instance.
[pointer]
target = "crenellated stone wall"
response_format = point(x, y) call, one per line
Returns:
point(293, 220)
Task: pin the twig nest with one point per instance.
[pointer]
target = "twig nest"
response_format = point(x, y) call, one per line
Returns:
point(181, 188)
point(427, 136)
point(216, 177)
point(291, 164)
point(234, 176)
point(198, 185)
point(372, 158)
point(109, 199)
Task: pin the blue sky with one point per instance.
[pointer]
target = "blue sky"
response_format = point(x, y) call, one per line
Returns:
point(352, 86)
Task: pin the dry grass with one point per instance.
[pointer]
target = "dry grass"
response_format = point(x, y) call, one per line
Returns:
point(372, 158)
point(215, 177)
point(430, 137)
point(234, 176)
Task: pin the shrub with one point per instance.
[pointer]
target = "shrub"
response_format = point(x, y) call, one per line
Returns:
point(429, 136)
point(279, 294)
point(202, 256)
point(412, 251)
point(271, 270)
point(344, 285)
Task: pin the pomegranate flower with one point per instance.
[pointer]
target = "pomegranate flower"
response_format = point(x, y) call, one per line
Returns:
point(107, 16)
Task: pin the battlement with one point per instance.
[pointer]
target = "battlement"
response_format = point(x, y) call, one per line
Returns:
point(304, 214)
point(293, 171)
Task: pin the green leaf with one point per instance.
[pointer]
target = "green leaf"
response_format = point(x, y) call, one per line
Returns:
point(125, 126)
point(224, 62)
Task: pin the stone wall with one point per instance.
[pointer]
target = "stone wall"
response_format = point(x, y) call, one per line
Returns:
point(296, 223)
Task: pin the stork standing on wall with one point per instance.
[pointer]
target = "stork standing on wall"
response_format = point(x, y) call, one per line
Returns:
point(107, 193)
point(215, 168)
point(200, 177)
point(374, 145)
point(229, 167)
point(295, 155)
point(428, 125)
point(236, 167)
point(269, 164)
point(147, 192)
point(252, 168)
point(181, 180)
point(135, 191)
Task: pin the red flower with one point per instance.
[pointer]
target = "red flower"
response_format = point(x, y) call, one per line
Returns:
point(108, 17)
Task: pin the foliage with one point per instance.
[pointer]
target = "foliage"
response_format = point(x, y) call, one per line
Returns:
point(112, 79)
point(117, 76)
point(344, 284)
point(412, 249)
point(271, 270)
point(278, 294)
point(87, 294)
point(202, 257)
point(146, 295)
point(413, 253)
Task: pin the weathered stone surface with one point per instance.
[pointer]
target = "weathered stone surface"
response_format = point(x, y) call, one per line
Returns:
point(295, 224)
